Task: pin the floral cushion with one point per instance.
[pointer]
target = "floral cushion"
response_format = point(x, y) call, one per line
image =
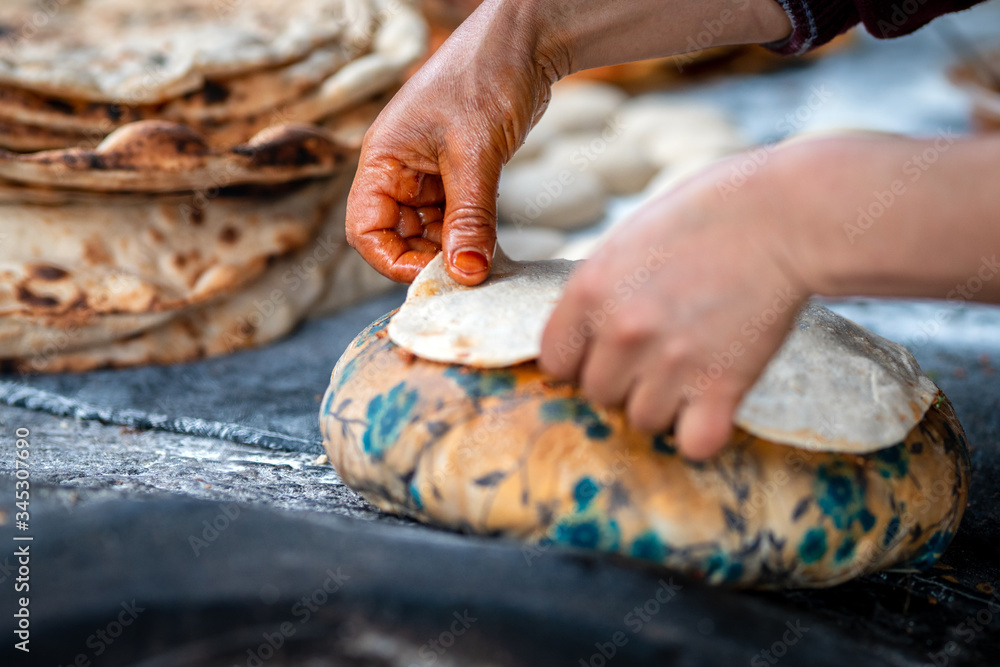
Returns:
point(511, 452)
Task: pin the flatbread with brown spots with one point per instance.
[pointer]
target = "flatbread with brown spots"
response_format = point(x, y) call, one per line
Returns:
point(324, 275)
point(157, 156)
point(333, 80)
point(147, 52)
point(65, 267)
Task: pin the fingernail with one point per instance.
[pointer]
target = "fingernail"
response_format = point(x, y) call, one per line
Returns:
point(469, 260)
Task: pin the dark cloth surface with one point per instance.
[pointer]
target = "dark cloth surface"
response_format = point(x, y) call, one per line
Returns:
point(816, 22)
point(381, 593)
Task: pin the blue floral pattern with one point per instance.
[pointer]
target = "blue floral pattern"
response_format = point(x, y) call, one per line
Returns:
point(488, 451)
point(577, 410)
point(892, 462)
point(841, 495)
point(587, 527)
point(386, 418)
point(479, 384)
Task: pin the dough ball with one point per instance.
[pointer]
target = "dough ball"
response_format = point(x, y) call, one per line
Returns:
point(529, 243)
point(670, 132)
point(575, 107)
point(548, 195)
point(622, 168)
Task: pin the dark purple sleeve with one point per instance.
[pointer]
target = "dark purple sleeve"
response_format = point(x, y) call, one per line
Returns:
point(816, 22)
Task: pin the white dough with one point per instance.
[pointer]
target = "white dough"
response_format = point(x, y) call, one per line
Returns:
point(576, 106)
point(670, 132)
point(538, 193)
point(622, 169)
point(530, 243)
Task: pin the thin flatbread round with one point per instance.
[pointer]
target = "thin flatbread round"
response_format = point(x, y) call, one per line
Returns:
point(218, 100)
point(835, 386)
point(148, 52)
point(31, 138)
point(231, 112)
point(157, 156)
point(222, 326)
point(347, 127)
point(832, 386)
point(65, 265)
point(329, 80)
point(495, 324)
point(321, 277)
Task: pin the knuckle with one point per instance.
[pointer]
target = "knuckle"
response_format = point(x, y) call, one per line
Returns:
point(472, 217)
point(586, 287)
point(674, 353)
point(593, 393)
point(631, 328)
point(646, 418)
point(595, 388)
point(468, 224)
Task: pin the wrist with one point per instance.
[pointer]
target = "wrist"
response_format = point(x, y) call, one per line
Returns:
point(798, 196)
point(531, 33)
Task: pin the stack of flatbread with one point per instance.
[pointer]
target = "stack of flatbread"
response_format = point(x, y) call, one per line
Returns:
point(73, 71)
point(173, 175)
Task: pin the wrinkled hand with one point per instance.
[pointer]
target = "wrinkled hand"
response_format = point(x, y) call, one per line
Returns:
point(430, 164)
point(677, 314)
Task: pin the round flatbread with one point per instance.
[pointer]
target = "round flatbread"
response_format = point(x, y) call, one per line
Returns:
point(320, 277)
point(219, 100)
point(79, 265)
point(130, 52)
point(157, 156)
point(335, 79)
point(443, 320)
point(827, 368)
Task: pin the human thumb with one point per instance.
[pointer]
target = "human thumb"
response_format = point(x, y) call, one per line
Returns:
point(469, 232)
